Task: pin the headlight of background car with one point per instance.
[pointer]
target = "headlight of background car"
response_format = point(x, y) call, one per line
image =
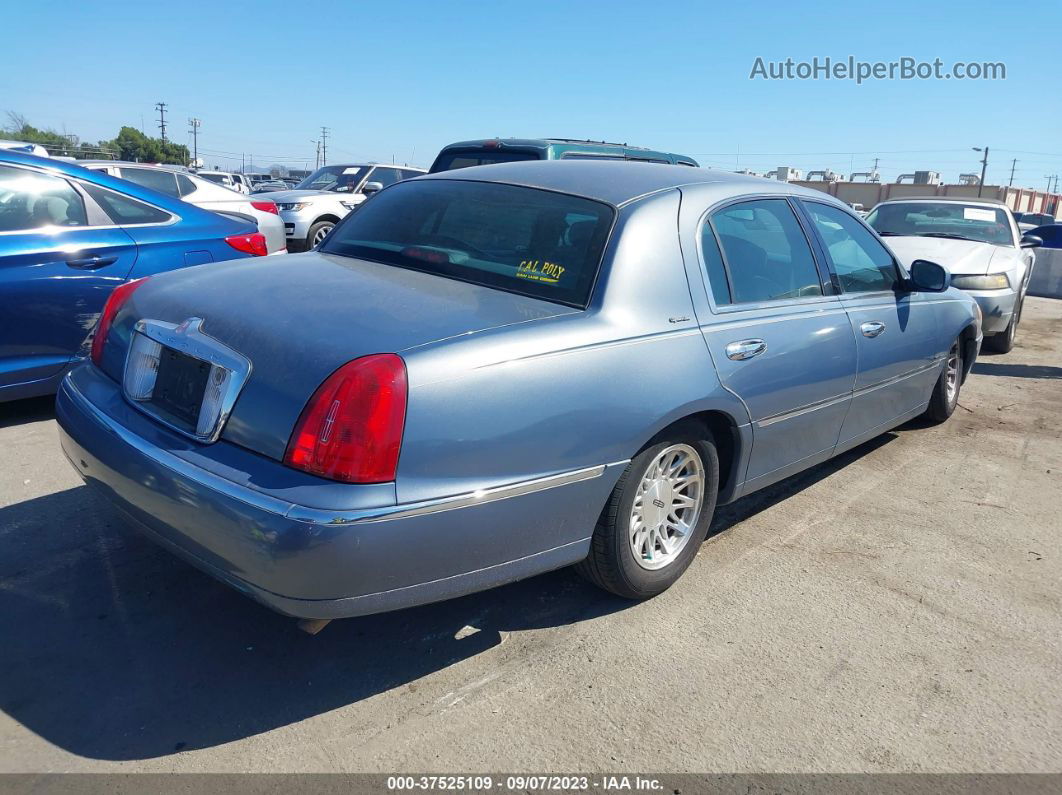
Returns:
point(292, 208)
point(993, 281)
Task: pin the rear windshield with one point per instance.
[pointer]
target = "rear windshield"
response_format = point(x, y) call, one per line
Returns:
point(533, 242)
point(447, 161)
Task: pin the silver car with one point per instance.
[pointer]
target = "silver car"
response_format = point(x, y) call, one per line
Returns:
point(316, 204)
point(489, 373)
point(192, 188)
point(978, 241)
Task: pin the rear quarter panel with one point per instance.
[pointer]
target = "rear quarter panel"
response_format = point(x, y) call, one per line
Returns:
point(574, 391)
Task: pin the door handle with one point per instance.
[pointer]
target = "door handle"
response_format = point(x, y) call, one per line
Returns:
point(91, 263)
point(745, 349)
point(872, 329)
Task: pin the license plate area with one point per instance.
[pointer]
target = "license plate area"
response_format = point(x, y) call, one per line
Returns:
point(184, 378)
point(180, 385)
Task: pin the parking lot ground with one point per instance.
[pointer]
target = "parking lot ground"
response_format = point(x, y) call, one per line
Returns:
point(898, 608)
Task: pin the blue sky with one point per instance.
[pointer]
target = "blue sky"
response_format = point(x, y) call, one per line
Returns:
point(400, 79)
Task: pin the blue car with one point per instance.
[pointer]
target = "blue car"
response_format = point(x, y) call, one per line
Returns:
point(68, 237)
point(489, 373)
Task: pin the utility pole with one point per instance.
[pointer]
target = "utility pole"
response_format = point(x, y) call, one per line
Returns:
point(1013, 163)
point(324, 146)
point(984, 166)
point(194, 124)
point(316, 154)
point(161, 108)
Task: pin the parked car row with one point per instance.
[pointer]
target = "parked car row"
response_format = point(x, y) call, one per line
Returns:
point(194, 189)
point(69, 236)
point(317, 204)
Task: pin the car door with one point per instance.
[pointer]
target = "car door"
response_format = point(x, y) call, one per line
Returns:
point(900, 350)
point(60, 257)
point(778, 338)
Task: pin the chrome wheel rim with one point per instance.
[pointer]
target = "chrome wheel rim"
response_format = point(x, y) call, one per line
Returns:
point(951, 375)
point(666, 506)
point(321, 234)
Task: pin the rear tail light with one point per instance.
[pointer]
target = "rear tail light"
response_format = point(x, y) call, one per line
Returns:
point(266, 207)
point(249, 244)
point(351, 430)
point(119, 295)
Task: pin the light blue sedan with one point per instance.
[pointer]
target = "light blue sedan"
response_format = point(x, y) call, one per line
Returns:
point(487, 374)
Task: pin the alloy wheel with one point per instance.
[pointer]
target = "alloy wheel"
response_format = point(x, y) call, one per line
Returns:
point(666, 507)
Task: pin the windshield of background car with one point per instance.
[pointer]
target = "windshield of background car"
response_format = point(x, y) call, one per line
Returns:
point(447, 161)
point(523, 240)
point(341, 179)
point(943, 219)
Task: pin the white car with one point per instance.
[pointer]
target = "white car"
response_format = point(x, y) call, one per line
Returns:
point(233, 180)
point(978, 241)
point(192, 188)
point(316, 204)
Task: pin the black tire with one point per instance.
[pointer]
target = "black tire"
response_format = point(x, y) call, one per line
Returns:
point(943, 401)
point(1003, 342)
point(316, 229)
point(612, 564)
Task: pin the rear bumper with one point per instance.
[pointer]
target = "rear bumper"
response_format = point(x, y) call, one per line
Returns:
point(321, 563)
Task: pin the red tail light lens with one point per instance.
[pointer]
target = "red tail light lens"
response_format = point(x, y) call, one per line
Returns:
point(119, 295)
point(254, 244)
point(351, 430)
point(266, 207)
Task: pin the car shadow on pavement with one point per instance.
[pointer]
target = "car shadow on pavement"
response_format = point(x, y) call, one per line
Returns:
point(113, 649)
point(1017, 370)
point(19, 412)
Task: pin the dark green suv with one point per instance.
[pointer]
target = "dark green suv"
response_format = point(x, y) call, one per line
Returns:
point(494, 150)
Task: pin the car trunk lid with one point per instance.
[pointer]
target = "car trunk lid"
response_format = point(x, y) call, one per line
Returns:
point(300, 317)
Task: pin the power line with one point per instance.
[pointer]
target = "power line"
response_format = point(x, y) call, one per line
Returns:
point(161, 108)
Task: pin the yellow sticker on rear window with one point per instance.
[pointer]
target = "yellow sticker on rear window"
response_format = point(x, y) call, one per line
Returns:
point(539, 271)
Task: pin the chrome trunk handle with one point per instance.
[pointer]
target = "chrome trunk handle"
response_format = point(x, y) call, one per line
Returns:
point(745, 349)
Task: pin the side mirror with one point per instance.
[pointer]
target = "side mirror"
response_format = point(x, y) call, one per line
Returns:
point(369, 188)
point(929, 277)
point(1031, 241)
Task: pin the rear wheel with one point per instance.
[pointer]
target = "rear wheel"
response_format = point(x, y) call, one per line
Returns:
point(318, 232)
point(1003, 342)
point(946, 392)
point(656, 518)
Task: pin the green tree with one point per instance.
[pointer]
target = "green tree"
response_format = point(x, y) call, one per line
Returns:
point(131, 144)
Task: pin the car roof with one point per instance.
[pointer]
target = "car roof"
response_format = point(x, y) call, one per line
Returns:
point(565, 144)
point(959, 199)
point(618, 182)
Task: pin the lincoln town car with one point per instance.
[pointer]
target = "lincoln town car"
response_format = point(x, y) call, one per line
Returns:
point(489, 373)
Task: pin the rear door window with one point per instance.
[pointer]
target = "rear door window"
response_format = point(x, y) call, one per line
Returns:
point(156, 179)
point(385, 176)
point(523, 240)
point(125, 210)
point(766, 254)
